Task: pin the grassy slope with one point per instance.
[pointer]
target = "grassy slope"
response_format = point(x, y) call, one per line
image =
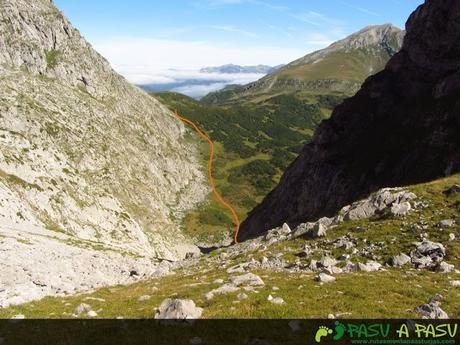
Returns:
point(254, 145)
point(392, 293)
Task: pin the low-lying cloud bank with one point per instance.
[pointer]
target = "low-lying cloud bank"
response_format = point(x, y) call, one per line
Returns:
point(193, 83)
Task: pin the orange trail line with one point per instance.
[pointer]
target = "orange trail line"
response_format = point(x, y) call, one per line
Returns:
point(219, 197)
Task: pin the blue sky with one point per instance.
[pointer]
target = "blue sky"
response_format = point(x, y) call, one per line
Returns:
point(143, 39)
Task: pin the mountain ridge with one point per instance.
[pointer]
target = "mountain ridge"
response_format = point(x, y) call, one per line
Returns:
point(341, 67)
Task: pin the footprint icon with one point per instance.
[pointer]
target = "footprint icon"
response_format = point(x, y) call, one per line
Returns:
point(323, 331)
point(339, 330)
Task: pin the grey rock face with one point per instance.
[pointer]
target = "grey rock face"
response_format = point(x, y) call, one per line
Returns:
point(178, 309)
point(399, 137)
point(101, 161)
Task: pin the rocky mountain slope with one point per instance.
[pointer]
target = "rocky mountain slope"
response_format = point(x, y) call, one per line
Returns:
point(88, 162)
point(393, 254)
point(341, 67)
point(401, 127)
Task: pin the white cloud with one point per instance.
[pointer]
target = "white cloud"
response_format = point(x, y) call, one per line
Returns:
point(149, 60)
point(198, 91)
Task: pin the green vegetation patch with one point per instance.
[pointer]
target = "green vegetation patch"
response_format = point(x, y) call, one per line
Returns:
point(52, 58)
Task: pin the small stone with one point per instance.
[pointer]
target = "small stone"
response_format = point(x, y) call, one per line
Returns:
point(218, 281)
point(242, 296)
point(91, 313)
point(452, 237)
point(455, 283)
point(325, 278)
point(83, 307)
point(277, 300)
point(331, 316)
point(143, 298)
point(119, 318)
point(446, 223)
point(18, 317)
point(247, 279)
point(370, 266)
point(275, 288)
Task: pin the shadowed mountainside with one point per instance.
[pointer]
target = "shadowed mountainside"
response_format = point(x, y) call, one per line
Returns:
point(402, 127)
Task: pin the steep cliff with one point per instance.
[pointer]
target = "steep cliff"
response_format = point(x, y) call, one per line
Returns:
point(402, 127)
point(83, 152)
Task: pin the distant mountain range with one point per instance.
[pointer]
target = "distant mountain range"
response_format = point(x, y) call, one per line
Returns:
point(342, 67)
point(235, 69)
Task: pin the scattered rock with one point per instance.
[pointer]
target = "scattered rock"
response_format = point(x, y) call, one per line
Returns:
point(218, 281)
point(242, 296)
point(452, 190)
point(455, 283)
point(82, 308)
point(432, 309)
point(446, 223)
point(327, 261)
point(18, 317)
point(91, 313)
point(444, 267)
point(223, 290)
point(143, 298)
point(401, 260)
point(452, 237)
point(325, 278)
point(275, 288)
point(319, 230)
point(370, 266)
point(275, 300)
point(247, 279)
point(428, 254)
point(178, 309)
point(400, 209)
point(393, 198)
